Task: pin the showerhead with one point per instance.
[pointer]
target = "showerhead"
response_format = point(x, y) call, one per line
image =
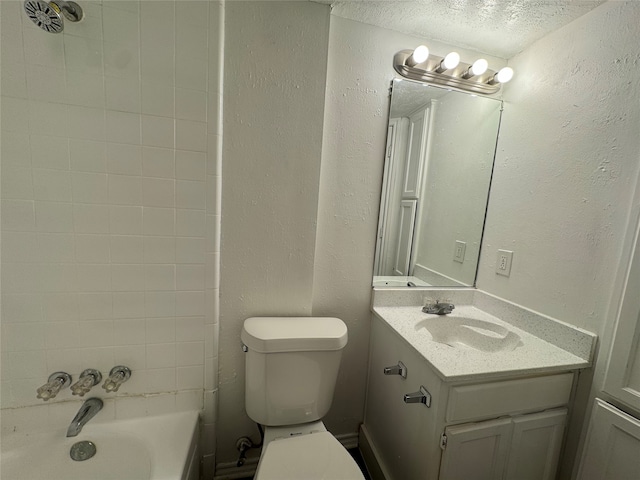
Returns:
point(48, 16)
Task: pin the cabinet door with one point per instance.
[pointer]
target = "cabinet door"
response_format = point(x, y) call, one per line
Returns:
point(612, 450)
point(535, 446)
point(623, 373)
point(476, 451)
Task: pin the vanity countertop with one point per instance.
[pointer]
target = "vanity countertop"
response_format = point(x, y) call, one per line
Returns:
point(534, 356)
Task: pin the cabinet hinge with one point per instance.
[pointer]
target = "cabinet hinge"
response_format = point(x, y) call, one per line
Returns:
point(443, 441)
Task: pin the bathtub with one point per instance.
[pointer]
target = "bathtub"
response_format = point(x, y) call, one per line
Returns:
point(163, 447)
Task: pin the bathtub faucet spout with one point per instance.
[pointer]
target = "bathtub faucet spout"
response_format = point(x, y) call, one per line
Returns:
point(87, 411)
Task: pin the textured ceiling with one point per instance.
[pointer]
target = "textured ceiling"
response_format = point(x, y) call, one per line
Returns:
point(501, 28)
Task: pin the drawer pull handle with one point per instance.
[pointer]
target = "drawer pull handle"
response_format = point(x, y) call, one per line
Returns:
point(398, 369)
point(421, 396)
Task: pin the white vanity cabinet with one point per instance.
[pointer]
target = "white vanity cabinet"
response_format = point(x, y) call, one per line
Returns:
point(507, 428)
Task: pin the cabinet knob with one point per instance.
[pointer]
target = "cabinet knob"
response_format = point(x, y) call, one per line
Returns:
point(421, 396)
point(398, 369)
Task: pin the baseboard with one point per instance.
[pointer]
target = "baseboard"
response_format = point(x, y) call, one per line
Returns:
point(230, 471)
point(370, 455)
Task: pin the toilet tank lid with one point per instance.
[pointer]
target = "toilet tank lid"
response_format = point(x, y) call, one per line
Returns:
point(294, 334)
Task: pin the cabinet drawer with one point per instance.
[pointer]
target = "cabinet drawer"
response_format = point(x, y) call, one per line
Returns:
point(487, 400)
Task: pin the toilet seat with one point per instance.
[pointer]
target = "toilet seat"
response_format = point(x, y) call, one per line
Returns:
point(316, 456)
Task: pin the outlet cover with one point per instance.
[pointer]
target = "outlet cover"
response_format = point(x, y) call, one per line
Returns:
point(459, 251)
point(503, 262)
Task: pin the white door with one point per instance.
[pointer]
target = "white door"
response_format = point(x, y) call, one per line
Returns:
point(623, 372)
point(415, 154)
point(535, 446)
point(405, 237)
point(612, 449)
point(476, 451)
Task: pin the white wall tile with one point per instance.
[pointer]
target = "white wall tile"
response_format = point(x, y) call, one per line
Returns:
point(92, 248)
point(44, 118)
point(60, 306)
point(157, 131)
point(126, 249)
point(89, 187)
point(125, 220)
point(191, 135)
point(86, 89)
point(90, 218)
point(83, 54)
point(16, 114)
point(160, 277)
point(125, 190)
point(21, 307)
point(189, 329)
point(54, 217)
point(191, 73)
point(87, 156)
point(93, 277)
point(160, 304)
point(123, 127)
point(190, 377)
point(158, 99)
point(189, 250)
point(190, 303)
point(158, 192)
point(85, 123)
point(18, 215)
point(189, 353)
point(159, 249)
point(49, 152)
point(190, 165)
point(161, 355)
point(160, 330)
point(127, 278)
point(158, 162)
point(120, 26)
point(17, 182)
point(158, 221)
point(190, 194)
point(54, 247)
point(51, 185)
point(124, 159)
point(128, 305)
point(15, 149)
point(121, 60)
point(190, 223)
point(191, 105)
point(122, 94)
point(19, 247)
point(96, 305)
point(42, 80)
point(190, 277)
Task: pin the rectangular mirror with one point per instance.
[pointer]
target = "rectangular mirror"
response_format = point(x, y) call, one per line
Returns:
point(438, 166)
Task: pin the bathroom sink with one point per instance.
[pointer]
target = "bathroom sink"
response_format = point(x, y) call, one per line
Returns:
point(461, 332)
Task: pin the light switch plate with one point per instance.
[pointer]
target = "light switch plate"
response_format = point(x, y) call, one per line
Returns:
point(503, 262)
point(459, 251)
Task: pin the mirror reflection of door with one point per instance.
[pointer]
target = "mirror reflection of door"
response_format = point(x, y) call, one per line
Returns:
point(438, 166)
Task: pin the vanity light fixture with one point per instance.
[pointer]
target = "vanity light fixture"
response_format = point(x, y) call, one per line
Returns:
point(449, 71)
point(449, 62)
point(419, 55)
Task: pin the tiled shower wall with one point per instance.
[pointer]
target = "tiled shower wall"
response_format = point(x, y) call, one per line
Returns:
point(110, 210)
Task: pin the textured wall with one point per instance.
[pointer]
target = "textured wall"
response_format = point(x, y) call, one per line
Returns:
point(275, 69)
point(566, 168)
point(359, 75)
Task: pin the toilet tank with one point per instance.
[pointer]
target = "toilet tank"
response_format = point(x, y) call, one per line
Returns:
point(291, 367)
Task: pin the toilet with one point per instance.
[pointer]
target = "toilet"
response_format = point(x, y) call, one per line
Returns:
point(291, 368)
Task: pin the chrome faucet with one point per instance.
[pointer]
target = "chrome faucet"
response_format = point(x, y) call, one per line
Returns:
point(87, 411)
point(438, 308)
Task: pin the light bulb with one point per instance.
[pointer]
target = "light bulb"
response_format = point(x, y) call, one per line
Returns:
point(479, 66)
point(504, 75)
point(419, 55)
point(451, 60)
